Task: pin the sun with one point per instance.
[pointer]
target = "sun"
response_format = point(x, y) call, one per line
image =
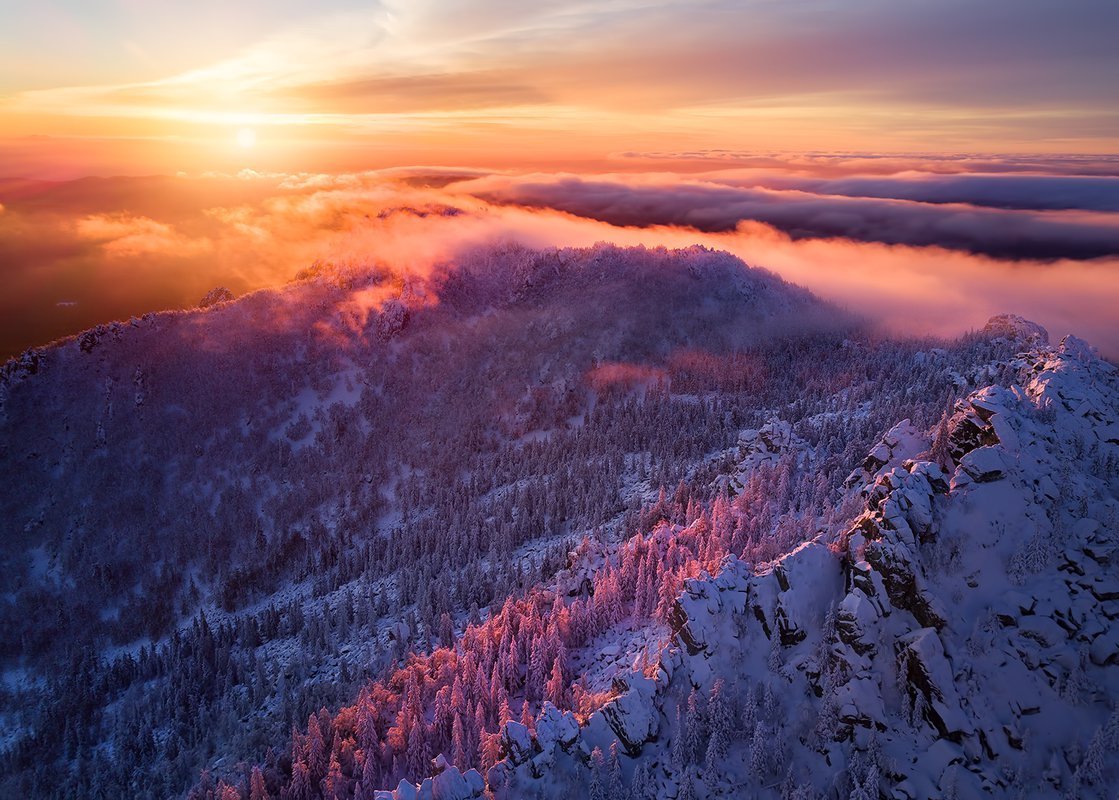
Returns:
point(246, 138)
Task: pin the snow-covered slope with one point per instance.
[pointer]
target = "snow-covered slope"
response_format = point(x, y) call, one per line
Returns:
point(585, 521)
point(958, 640)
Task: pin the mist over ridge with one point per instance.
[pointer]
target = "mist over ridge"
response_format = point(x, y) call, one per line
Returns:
point(896, 240)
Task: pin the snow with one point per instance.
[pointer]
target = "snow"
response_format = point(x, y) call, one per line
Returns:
point(973, 644)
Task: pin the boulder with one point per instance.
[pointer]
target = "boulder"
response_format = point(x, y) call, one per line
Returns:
point(928, 672)
point(856, 621)
point(1015, 328)
point(633, 715)
point(984, 464)
point(555, 727)
point(516, 743)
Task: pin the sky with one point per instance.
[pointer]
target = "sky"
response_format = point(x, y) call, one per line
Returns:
point(927, 163)
point(137, 87)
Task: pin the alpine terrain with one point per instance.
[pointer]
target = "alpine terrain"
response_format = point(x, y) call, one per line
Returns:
point(608, 523)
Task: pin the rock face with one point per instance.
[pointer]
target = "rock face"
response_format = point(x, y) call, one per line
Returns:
point(958, 637)
point(1016, 328)
point(219, 294)
point(633, 714)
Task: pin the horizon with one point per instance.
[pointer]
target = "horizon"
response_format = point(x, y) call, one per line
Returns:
point(149, 154)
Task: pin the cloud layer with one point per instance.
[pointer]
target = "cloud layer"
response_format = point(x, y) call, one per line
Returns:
point(714, 207)
point(82, 252)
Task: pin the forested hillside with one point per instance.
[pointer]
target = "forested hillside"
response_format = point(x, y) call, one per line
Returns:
point(303, 542)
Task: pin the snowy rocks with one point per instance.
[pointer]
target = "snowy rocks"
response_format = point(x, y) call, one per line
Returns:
point(1075, 347)
point(927, 672)
point(904, 580)
point(856, 622)
point(903, 499)
point(703, 599)
point(1105, 648)
point(765, 445)
point(968, 429)
point(448, 783)
point(632, 715)
point(984, 464)
point(860, 703)
point(810, 578)
point(516, 743)
point(1071, 379)
point(768, 442)
point(1016, 329)
point(900, 516)
point(903, 441)
point(555, 727)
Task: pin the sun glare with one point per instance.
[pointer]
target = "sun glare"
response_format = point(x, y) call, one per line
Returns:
point(246, 138)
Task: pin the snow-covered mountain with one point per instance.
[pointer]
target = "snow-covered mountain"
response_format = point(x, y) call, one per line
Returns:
point(606, 523)
point(957, 639)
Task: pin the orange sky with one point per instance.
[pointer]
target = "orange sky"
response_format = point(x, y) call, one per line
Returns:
point(123, 87)
point(968, 146)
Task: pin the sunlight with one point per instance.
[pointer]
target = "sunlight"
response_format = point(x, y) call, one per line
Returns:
point(246, 138)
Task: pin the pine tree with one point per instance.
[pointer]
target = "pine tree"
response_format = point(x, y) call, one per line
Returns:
point(687, 787)
point(759, 752)
point(300, 787)
point(1092, 766)
point(257, 789)
point(458, 744)
point(693, 728)
point(555, 691)
point(598, 777)
point(370, 775)
point(941, 450)
point(333, 785)
point(774, 662)
point(614, 784)
point(718, 713)
point(677, 749)
point(316, 751)
point(641, 788)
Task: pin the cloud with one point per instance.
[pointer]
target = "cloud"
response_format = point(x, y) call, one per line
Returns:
point(993, 190)
point(410, 93)
point(169, 252)
point(948, 74)
point(125, 235)
point(821, 166)
point(713, 207)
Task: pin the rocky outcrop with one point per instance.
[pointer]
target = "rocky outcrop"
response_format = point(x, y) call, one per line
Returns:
point(445, 783)
point(928, 673)
point(633, 714)
point(216, 296)
point(902, 442)
point(516, 743)
point(704, 599)
point(887, 538)
point(959, 633)
point(1016, 329)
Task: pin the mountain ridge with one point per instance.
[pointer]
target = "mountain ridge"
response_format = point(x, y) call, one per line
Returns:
point(242, 515)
